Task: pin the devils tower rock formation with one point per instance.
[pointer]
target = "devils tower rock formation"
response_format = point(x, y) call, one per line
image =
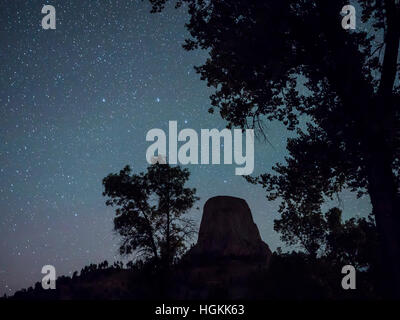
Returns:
point(227, 230)
point(228, 256)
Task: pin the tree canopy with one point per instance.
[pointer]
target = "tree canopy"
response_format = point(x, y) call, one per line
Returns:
point(326, 235)
point(150, 211)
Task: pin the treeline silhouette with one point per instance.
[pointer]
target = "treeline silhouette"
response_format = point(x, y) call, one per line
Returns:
point(95, 281)
point(293, 276)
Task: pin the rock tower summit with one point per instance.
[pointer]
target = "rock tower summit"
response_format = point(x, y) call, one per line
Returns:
point(227, 230)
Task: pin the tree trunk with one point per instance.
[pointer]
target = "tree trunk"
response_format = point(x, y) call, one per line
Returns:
point(168, 236)
point(151, 234)
point(382, 191)
point(168, 223)
point(381, 180)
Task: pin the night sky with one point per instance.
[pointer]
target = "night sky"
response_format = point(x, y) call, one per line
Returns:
point(76, 104)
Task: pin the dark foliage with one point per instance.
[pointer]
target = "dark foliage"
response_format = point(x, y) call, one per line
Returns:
point(325, 235)
point(150, 210)
point(295, 276)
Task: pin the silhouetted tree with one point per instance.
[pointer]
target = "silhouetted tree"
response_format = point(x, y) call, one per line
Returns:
point(289, 60)
point(150, 211)
point(354, 241)
point(325, 235)
point(305, 229)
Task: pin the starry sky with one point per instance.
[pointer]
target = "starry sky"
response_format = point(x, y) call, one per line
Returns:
point(75, 105)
